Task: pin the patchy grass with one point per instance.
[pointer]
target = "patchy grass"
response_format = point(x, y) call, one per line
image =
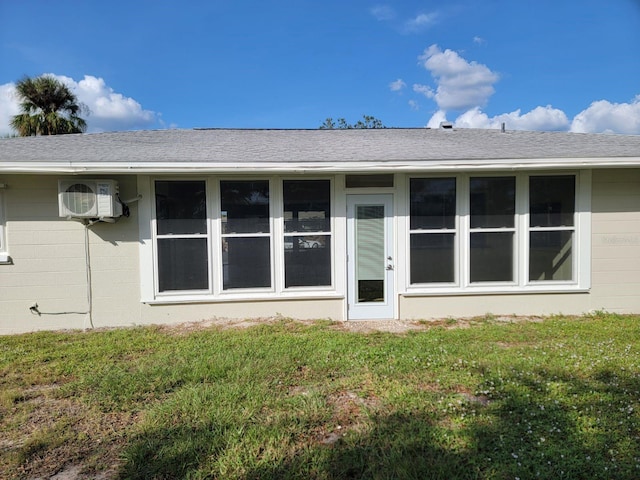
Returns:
point(557, 398)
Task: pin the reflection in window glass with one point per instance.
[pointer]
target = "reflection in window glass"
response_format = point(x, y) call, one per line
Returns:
point(368, 181)
point(307, 209)
point(182, 264)
point(246, 262)
point(550, 255)
point(493, 202)
point(180, 207)
point(307, 205)
point(491, 257)
point(245, 206)
point(432, 258)
point(552, 200)
point(433, 203)
point(307, 261)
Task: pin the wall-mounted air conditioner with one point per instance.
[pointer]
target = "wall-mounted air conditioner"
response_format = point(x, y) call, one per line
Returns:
point(79, 198)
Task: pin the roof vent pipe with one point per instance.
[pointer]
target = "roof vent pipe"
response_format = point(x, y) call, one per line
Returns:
point(502, 128)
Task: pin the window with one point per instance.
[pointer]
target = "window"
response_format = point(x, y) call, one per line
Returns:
point(492, 203)
point(551, 227)
point(432, 230)
point(508, 231)
point(246, 234)
point(236, 238)
point(181, 233)
point(307, 237)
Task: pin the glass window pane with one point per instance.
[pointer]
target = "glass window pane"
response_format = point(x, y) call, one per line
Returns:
point(491, 257)
point(433, 203)
point(307, 205)
point(552, 200)
point(307, 261)
point(550, 255)
point(246, 262)
point(245, 206)
point(432, 258)
point(367, 181)
point(181, 207)
point(182, 264)
point(369, 251)
point(493, 202)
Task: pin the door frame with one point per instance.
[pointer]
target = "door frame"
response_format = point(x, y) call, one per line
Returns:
point(372, 310)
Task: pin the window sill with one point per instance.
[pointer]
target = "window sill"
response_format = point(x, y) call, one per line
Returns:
point(177, 299)
point(5, 259)
point(529, 290)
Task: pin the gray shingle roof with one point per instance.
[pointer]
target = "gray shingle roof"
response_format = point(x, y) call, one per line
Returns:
point(226, 149)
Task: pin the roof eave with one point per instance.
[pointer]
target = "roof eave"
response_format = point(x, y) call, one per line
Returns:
point(78, 168)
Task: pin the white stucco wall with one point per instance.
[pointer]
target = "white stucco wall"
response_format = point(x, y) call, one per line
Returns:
point(615, 241)
point(48, 268)
point(615, 264)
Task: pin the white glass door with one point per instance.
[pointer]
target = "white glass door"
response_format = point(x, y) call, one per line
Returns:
point(370, 263)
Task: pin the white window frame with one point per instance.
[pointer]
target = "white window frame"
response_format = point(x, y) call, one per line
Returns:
point(215, 215)
point(149, 261)
point(156, 237)
point(455, 231)
point(581, 246)
point(4, 251)
point(283, 235)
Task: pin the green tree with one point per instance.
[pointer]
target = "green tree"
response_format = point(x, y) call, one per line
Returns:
point(367, 121)
point(48, 108)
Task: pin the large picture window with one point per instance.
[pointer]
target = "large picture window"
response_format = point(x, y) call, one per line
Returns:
point(510, 231)
point(232, 238)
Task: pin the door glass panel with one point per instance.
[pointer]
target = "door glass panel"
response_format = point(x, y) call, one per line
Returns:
point(369, 250)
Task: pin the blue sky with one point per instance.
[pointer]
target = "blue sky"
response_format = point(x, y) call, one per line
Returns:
point(564, 65)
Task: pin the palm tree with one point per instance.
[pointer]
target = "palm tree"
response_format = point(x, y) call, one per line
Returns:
point(48, 108)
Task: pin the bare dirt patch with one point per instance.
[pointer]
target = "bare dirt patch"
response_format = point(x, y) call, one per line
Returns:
point(360, 326)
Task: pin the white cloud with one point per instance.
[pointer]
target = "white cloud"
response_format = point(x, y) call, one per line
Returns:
point(479, 40)
point(383, 12)
point(414, 105)
point(606, 117)
point(9, 107)
point(420, 22)
point(466, 86)
point(461, 85)
point(108, 110)
point(540, 118)
point(397, 85)
point(437, 118)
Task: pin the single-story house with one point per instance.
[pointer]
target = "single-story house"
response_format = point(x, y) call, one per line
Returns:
point(141, 227)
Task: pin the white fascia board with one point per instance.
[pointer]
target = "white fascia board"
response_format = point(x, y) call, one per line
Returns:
point(315, 167)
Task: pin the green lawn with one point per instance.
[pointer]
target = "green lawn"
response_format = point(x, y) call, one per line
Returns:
point(553, 399)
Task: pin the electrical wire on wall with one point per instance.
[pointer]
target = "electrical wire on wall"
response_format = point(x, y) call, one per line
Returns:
point(35, 309)
point(87, 257)
point(67, 211)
